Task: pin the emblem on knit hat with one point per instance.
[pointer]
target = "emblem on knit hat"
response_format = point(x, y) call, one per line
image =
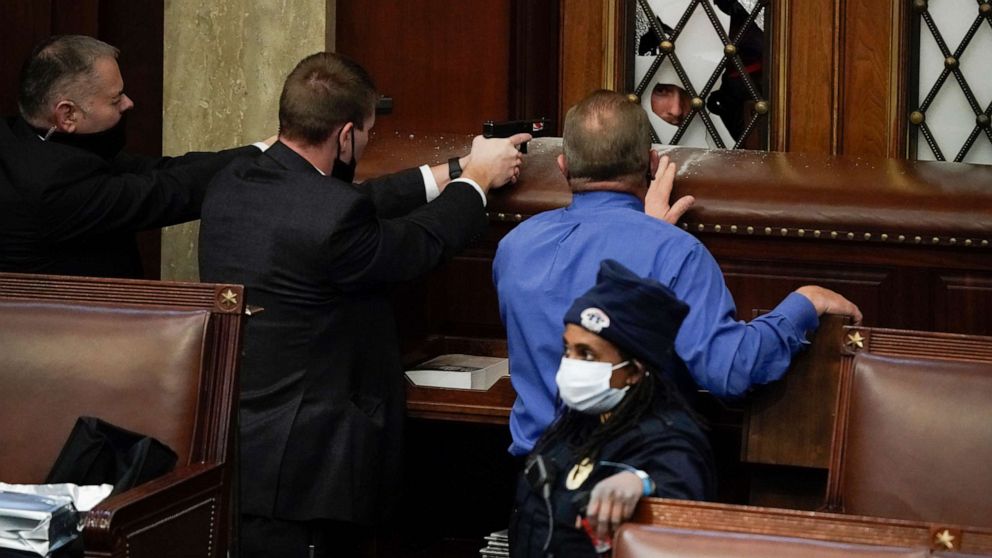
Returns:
point(594, 319)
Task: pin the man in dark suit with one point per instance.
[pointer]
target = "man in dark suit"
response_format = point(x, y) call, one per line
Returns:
point(70, 199)
point(322, 398)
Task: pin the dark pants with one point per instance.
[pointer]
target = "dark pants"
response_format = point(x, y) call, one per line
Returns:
point(263, 537)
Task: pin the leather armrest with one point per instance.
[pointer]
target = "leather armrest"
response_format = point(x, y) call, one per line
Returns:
point(153, 504)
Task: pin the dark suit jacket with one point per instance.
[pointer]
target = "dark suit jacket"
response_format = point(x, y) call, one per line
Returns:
point(322, 396)
point(64, 210)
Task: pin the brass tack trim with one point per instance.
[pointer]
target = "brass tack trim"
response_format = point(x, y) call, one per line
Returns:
point(786, 231)
point(518, 217)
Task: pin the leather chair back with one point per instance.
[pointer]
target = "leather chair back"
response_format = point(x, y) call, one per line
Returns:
point(153, 357)
point(918, 443)
point(137, 368)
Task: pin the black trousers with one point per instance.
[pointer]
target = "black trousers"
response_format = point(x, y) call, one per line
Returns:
point(263, 537)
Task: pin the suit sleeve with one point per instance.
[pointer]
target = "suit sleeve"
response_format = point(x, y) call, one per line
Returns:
point(368, 249)
point(132, 163)
point(103, 202)
point(396, 194)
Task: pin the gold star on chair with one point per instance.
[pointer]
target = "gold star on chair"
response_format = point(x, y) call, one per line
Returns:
point(228, 299)
point(944, 538)
point(854, 340)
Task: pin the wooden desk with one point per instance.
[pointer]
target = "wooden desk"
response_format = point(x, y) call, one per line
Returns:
point(462, 405)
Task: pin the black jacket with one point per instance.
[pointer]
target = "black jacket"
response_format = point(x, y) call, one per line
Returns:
point(322, 392)
point(67, 211)
point(668, 445)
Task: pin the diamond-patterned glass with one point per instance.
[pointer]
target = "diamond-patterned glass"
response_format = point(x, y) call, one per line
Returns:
point(698, 71)
point(952, 108)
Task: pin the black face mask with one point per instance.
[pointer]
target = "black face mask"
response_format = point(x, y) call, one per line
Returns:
point(345, 172)
point(106, 144)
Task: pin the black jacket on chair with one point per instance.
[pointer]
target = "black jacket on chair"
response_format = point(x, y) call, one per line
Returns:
point(322, 392)
point(67, 211)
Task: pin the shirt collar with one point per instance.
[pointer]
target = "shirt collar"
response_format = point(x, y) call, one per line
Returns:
point(584, 201)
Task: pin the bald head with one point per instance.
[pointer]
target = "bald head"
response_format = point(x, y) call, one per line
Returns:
point(607, 137)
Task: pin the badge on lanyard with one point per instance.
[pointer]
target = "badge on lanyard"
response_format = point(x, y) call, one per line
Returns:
point(578, 475)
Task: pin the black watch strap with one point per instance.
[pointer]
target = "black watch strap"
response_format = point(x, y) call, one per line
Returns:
point(454, 168)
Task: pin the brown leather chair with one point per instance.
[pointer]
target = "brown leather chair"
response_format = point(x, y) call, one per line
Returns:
point(152, 357)
point(650, 541)
point(914, 427)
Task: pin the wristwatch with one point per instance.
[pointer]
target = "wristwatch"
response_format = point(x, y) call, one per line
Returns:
point(646, 480)
point(454, 168)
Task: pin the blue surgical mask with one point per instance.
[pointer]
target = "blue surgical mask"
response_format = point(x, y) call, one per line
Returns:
point(585, 385)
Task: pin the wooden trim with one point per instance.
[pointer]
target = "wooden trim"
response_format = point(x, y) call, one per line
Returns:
point(820, 526)
point(899, 44)
point(613, 48)
point(118, 292)
point(779, 80)
point(838, 86)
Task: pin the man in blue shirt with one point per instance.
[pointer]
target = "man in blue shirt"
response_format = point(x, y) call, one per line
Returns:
point(548, 260)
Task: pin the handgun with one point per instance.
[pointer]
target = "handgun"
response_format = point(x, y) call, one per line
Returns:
point(538, 128)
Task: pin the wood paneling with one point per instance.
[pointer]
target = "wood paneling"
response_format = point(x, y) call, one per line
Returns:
point(873, 111)
point(582, 50)
point(963, 303)
point(811, 92)
point(447, 67)
point(535, 35)
point(24, 23)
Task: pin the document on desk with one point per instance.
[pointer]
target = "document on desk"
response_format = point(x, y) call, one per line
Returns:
point(36, 524)
point(460, 371)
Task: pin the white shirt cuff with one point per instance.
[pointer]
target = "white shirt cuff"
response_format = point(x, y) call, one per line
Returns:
point(475, 185)
point(261, 145)
point(430, 185)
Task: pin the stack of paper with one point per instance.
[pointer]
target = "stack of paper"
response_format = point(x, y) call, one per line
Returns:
point(497, 545)
point(34, 523)
point(460, 371)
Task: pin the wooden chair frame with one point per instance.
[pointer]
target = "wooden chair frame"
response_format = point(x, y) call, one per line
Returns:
point(174, 507)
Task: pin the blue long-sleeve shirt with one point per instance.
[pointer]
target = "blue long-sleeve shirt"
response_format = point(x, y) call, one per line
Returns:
point(550, 259)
